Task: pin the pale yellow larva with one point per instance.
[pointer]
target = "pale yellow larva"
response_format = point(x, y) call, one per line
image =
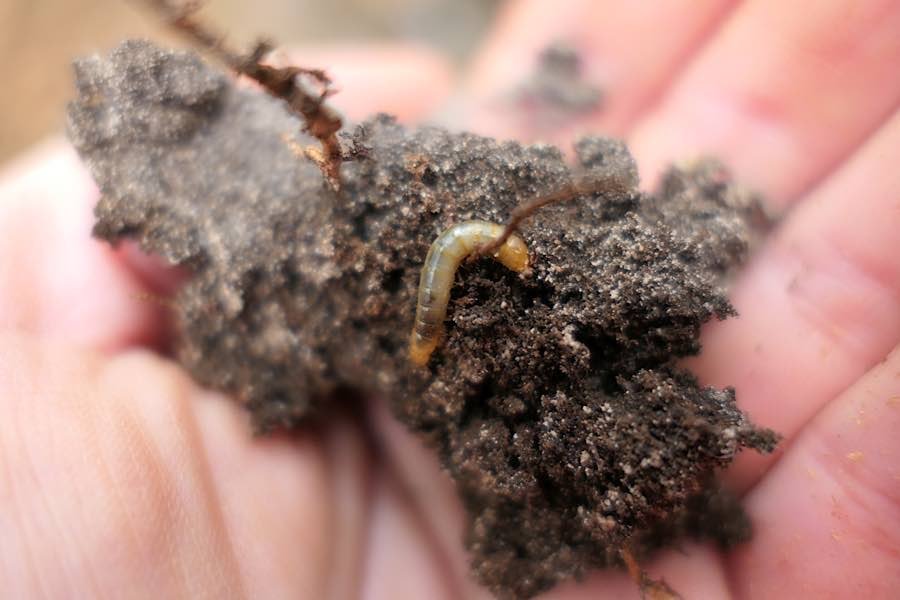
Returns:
point(450, 248)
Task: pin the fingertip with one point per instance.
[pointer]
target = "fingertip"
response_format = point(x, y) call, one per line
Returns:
point(156, 274)
point(56, 281)
point(49, 166)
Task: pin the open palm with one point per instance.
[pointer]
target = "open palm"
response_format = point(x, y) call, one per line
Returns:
point(121, 478)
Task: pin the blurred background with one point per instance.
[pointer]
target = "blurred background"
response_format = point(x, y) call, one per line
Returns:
point(39, 39)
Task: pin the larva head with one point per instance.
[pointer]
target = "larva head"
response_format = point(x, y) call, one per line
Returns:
point(513, 254)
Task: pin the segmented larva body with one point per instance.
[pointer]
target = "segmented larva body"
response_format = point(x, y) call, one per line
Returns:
point(450, 248)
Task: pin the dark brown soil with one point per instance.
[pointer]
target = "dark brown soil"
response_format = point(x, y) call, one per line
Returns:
point(555, 400)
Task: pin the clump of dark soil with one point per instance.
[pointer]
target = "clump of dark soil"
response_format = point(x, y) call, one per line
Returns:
point(555, 401)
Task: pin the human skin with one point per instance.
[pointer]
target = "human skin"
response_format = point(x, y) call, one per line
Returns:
point(119, 477)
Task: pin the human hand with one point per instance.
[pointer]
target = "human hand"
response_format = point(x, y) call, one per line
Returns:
point(123, 478)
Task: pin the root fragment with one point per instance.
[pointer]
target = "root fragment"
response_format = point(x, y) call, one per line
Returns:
point(286, 83)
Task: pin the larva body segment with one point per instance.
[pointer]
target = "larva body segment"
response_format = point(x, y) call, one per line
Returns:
point(450, 248)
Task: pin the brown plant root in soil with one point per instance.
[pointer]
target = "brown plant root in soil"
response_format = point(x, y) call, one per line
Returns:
point(555, 400)
point(285, 83)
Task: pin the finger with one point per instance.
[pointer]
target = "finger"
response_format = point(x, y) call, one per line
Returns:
point(431, 495)
point(610, 37)
point(404, 80)
point(93, 497)
point(820, 305)
point(370, 541)
point(353, 479)
point(156, 275)
point(116, 489)
point(55, 280)
point(400, 556)
point(272, 492)
point(827, 516)
point(783, 93)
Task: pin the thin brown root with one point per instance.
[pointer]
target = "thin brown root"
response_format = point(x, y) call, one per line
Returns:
point(320, 120)
point(651, 589)
point(317, 156)
point(608, 184)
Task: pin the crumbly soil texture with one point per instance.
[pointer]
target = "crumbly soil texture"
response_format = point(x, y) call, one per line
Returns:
point(555, 400)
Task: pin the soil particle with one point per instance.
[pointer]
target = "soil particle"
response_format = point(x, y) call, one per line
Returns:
point(555, 400)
